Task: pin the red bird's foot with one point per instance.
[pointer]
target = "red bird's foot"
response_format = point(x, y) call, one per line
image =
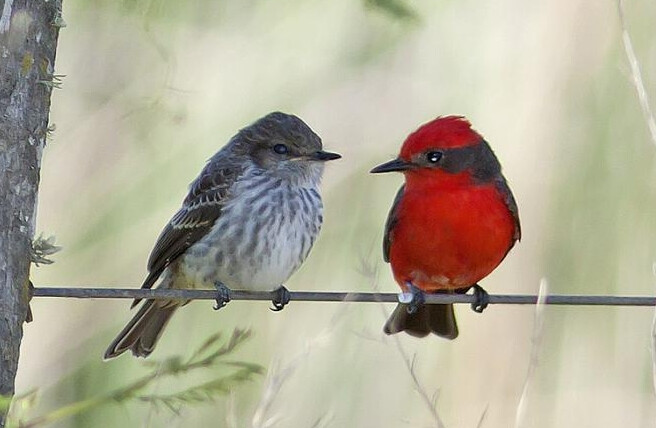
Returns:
point(417, 300)
point(222, 295)
point(281, 297)
point(481, 299)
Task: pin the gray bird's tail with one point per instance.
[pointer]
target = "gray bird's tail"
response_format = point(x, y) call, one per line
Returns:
point(142, 332)
point(436, 319)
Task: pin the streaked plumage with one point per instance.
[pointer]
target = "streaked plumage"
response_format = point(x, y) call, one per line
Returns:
point(248, 222)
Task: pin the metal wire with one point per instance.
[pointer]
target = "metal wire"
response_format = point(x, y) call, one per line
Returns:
point(330, 296)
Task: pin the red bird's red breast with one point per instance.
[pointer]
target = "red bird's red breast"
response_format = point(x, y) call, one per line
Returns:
point(449, 235)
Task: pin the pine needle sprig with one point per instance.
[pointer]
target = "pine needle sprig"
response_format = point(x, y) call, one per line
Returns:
point(210, 355)
point(204, 392)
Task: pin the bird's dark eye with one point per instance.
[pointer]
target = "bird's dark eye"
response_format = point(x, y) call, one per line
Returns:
point(433, 157)
point(281, 149)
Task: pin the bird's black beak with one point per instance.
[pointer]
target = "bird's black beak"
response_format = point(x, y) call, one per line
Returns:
point(325, 156)
point(391, 166)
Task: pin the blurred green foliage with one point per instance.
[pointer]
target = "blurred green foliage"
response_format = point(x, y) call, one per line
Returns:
point(395, 8)
point(209, 357)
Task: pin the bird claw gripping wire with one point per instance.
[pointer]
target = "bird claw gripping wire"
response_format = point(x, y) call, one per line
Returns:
point(281, 297)
point(222, 295)
point(417, 300)
point(481, 299)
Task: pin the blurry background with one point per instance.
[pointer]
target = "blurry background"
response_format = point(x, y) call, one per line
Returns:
point(153, 88)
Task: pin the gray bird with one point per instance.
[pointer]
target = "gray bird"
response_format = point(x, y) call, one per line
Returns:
point(248, 222)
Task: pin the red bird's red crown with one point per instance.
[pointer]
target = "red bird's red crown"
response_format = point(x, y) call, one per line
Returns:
point(442, 133)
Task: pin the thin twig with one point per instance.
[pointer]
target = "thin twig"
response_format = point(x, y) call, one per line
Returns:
point(279, 374)
point(329, 296)
point(536, 340)
point(482, 418)
point(431, 404)
point(636, 75)
point(151, 407)
point(231, 414)
point(410, 365)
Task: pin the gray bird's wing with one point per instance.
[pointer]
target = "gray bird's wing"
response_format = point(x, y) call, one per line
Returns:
point(200, 209)
point(392, 219)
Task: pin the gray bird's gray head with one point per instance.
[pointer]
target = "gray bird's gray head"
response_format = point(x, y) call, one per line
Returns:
point(283, 145)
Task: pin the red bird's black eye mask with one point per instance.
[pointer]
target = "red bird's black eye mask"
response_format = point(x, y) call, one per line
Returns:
point(478, 159)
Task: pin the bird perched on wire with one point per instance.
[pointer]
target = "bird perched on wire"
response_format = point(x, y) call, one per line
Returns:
point(248, 222)
point(451, 224)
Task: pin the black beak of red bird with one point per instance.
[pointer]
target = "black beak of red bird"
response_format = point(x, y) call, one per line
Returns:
point(392, 166)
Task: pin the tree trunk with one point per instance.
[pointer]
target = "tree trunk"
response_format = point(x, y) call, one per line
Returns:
point(28, 40)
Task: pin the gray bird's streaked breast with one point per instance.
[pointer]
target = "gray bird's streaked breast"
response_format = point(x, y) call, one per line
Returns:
point(263, 235)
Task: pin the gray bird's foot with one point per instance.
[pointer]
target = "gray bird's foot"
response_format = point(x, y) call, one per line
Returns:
point(418, 298)
point(281, 297)
point(222, 295)
point(481, 299)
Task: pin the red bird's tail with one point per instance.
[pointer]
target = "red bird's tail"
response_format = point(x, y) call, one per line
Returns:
point(437, 319)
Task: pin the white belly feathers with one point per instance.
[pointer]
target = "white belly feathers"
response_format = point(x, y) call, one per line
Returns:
point(262, 236)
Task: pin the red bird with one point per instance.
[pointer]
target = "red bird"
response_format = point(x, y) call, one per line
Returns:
point(451, 224)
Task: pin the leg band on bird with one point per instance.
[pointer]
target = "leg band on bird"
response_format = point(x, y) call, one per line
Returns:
point(222, 295)
point(417, 300)
point(280, 298)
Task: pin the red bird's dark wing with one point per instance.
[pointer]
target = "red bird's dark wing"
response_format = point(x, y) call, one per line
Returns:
point(392, 219)
point(200, 209)
point(509, 199)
